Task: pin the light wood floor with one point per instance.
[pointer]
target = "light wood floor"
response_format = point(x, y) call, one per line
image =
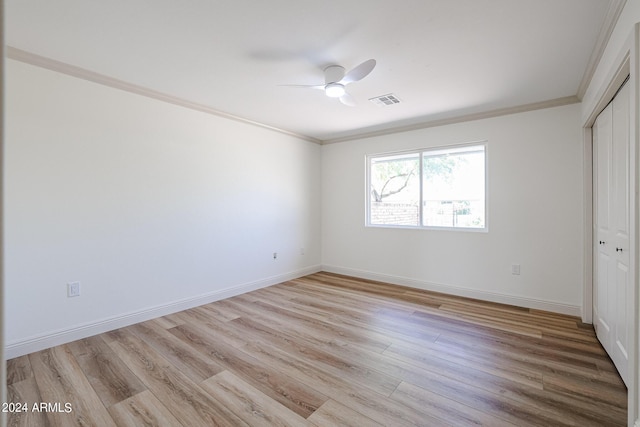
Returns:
point(328, 350)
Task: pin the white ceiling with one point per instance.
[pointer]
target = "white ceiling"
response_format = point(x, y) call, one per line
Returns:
point(441, 58)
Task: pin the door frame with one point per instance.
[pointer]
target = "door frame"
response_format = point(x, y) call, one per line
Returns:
point(626, 64)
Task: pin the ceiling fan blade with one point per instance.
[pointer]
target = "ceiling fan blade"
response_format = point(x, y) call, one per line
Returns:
point(360, 72)
point(347, 99)
point(306, 86)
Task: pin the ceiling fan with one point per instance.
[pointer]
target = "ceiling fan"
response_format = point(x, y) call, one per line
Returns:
point(335, 80)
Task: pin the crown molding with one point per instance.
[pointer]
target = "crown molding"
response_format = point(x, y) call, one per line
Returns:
point(610, 21)
point(82, 73)
point(558, 102)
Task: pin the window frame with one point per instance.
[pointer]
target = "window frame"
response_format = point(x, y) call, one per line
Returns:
point(420, 152)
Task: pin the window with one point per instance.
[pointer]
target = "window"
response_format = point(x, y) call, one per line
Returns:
point(431, 188)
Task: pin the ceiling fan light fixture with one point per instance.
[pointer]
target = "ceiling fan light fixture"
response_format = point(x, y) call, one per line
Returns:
point(334, 90)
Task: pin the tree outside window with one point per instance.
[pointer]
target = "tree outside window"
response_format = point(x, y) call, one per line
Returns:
point(442, 187)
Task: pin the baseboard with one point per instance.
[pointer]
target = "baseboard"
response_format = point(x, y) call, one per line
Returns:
point(52, 339)
point(533, 303)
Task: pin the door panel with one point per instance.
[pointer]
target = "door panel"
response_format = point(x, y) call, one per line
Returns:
point(620, 164)
point(621, 327)
point(602, 136)
point(621, 224)
point(612, 306)
point(601, 303)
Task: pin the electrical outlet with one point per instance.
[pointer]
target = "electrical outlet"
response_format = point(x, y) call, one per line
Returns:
point(73, 289)
point(515, 269)
point(275, 255)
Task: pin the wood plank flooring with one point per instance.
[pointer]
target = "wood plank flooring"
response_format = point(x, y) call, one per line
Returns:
point(328, 350)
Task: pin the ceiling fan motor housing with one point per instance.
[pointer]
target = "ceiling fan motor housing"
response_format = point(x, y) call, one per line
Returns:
point(333, 74)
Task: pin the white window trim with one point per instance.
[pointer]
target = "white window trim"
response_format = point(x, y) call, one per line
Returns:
point(368, 158)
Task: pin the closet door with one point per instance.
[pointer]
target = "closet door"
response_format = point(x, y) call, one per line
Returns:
point(602, 302)
point(620, 232)
point(612, 294)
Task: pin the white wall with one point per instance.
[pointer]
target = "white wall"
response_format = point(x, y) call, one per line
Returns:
point(535, 214)
point(151, 206)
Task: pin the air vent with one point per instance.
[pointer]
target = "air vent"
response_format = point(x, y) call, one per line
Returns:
point(384, 100)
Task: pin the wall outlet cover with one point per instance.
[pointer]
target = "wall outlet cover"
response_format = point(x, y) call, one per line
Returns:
point(73, 289)
point(515, 269)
